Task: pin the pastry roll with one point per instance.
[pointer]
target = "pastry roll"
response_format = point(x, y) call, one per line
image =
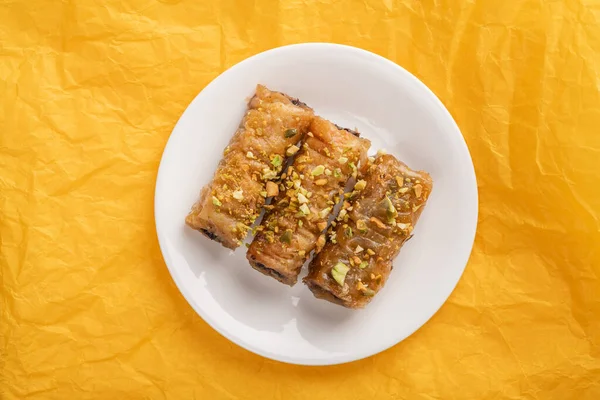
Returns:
point(296, 220)
point(372, 226)
point(254, 158)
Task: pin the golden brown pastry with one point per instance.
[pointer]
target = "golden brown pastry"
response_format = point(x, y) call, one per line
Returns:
point(370, 229)
point(295, 223)
point(254, 158)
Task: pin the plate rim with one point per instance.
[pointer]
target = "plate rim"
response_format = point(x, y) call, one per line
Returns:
point(472, 178)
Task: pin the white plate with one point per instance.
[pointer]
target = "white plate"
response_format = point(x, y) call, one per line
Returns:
point(388, 105)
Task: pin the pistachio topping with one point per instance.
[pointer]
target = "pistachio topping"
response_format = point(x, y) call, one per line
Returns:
point(277, 161)
point(363, 264)
point(358, 249)
point(343, 160)
point(404, 227)
point(324, 212)
point(400, 181)
point(318, 170)
point(293, 149)
point(250, 155)
point(286, 237)
point(339, 271)
point(238, 194)
point(302, 198)
point(361, 225)
point(360, 185)
point(390, 210)
point(304, 209)
point(216, 202)
point(321, 182)
point(290, 133)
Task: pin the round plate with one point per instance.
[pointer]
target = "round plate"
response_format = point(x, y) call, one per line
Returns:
point(355, 89)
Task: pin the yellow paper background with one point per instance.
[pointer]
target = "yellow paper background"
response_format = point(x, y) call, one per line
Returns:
point(89, 93)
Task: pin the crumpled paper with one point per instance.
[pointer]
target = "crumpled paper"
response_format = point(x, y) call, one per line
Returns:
point(90, 92)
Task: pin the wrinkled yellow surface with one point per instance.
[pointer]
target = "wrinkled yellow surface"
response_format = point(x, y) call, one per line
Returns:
point(89, 93)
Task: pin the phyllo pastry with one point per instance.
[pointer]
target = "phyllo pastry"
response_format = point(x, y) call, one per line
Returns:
point(254, 158)
point(296, 221)
point(372, 226)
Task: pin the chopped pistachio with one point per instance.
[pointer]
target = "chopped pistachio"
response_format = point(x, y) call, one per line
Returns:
point(416, 207)
point(250, 155)
point(337, 172)
point(404, 227)
point(371, 159)
point(390, 210)
point(302, 198)
point(300, 223)
point(418, 189)
point(286, 237)
point(324, 212)
point(343, 160)
point(351, 165)
point(339, 271)
point(272, 189)
point(321, 182)
point(371, 252)
point(308, 194)
point(263, 193)
point(297, 184)
point(269, 174)
point(322, 225)
point(348, 232)
point(403, 190)
point(368, 292)
point(363, 265)
point(400, 181)
point(381, 152)
point(216, 202)
point(356, 260)
point(318, 170)
point(301, 253)
point(360, 185)
point(327, 171)
point(358, 249)
point(277, 160)
point(305, 210)
point(310, 134)
point(293, 149)
point(361, 225)
point(290, 133)
point(238, 194)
